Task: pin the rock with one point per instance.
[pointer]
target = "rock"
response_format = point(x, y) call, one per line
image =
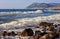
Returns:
point(27, 32)
point(45, 24)
point(44, 37)
point(4, 33)
point(31, 37)
point(38, 36)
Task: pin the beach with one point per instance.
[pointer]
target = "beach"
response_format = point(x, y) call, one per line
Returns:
point(19, 21)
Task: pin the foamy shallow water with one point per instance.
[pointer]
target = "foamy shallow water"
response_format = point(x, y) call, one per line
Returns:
point(31, 21)
point(10, 20)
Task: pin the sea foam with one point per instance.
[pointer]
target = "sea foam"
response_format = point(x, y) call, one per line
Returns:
point(17, 13)
point(32, 21)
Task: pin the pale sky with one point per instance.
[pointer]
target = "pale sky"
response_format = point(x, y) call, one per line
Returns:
point(20, 4)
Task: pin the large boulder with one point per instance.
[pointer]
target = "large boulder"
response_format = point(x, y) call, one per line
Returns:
point(27, 32)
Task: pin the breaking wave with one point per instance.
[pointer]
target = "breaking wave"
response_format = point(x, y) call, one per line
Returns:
point(31, 21)
point(17, 13)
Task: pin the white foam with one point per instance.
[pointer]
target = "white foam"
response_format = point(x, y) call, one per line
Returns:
point(32, 21)
point(17, 13)
point(38, 11)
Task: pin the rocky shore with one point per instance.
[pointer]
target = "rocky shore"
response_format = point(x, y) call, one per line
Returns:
point(44, 30)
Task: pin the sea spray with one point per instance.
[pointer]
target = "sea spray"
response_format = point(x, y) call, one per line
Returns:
point(32, 21)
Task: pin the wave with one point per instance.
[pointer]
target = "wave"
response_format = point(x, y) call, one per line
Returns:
point(17, 13)
point(31, 21)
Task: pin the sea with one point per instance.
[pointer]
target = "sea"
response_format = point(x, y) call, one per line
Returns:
point(26, 18)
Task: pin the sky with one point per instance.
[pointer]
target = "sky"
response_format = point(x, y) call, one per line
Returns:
point(21, 4)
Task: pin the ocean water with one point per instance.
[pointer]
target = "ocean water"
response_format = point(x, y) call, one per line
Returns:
point(17, 18)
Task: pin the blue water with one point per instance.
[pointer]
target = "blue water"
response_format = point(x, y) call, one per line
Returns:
point(8, 18)
point(25, 15)
point(14, 10)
